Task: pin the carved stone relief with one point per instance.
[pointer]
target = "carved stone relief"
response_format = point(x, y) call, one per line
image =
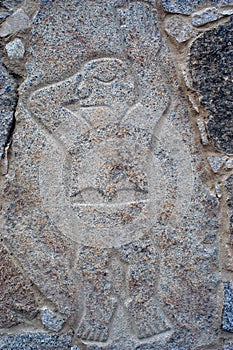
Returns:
point(111, 203)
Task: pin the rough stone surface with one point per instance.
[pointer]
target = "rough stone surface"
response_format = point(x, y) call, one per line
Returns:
point(15, 49)
point(202, 129)
point(228, 345)
point(228, 261)
point(179, 29)
point(17, 299)
point(51, 320)
point(109, 204)
point(227, 318)
point(46, 255)
point(36, 341)
point(229, 190)
point(202, 17)
point(216, 162)
point(15, 23)
point(225, 12)
point(3, 16)
point(210, 64)
point(188, 6)
point(8, 100)
point(229, 163)
point(10, 4)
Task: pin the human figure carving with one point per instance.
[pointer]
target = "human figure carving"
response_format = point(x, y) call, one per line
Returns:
point(105, 169)
point(105, 118)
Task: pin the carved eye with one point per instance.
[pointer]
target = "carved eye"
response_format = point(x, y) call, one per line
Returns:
point(105, 77)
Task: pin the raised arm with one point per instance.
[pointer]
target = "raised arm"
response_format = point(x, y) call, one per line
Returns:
point(47, 104)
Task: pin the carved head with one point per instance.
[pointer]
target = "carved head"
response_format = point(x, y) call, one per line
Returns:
point(107, 82)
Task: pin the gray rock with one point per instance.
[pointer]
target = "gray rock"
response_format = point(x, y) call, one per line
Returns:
point(108, 210)
point(227, 317)
point(188, 6)
point(18, 301)
point(10, 4)
point(36, 341)
point(15, 49)
point(51, 320)
point(13, 24)
point(8, 101)
point(225, 12)
point(229, 163)
point(228, 345)
point(210, 65)
point(202, 129)
point(216, 162)
point(3, 16)
point(205, 16)
point(179, 29)
point(229, 193)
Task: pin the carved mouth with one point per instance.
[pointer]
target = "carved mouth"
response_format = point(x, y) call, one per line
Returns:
point(123, 197)
point(113, 204)
point(89, 105)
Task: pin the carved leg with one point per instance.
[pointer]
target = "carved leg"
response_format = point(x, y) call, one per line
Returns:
point(99, 303)
point(143, 304)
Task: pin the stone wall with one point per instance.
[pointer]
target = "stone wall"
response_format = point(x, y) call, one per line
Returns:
point(116, 147)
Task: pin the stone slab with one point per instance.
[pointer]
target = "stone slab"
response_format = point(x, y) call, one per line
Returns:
point(15, 49)
point(51, 320)
point(188, 6)
point(210, 66)
point(108, 205)
point(229, 194)
point(228, 345)
point(202, 17)
point(8, 100)
point(179, 28)
point(35, 341)
point(18, 300)
point(227, 317)
point(18, 21)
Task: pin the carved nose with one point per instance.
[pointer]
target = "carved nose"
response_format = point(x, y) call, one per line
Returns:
point(83, 92)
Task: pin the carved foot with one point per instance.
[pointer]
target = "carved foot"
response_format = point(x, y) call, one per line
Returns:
point(148, 318)
point(93, 331)
point(94, 325)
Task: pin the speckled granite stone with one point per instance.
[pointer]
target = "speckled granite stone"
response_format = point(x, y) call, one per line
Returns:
point(228, 345)
point(15, 49)
point(17, 298)
point(179, 28)
point(228, 261)
point(107, 198)
point(51, 320)
point(36, 341)
point(207, 15)
point(210, 65)
point(8, 100)
point(187, 6)
point(227, 317)
point(229, 189)
point(18, 21)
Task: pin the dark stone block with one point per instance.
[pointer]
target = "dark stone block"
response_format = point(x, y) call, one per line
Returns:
point(210, 64)
point(8, 100)
point(227, 318)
